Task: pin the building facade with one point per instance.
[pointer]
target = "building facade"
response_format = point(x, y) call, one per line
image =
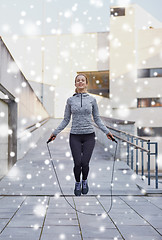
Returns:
point(136, 70)
point(123, 66)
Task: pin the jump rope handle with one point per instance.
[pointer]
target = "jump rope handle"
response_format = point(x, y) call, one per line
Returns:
point(113, 139)
point(49, 140)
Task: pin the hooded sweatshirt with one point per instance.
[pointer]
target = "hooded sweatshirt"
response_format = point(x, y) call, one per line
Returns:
point(82, 107)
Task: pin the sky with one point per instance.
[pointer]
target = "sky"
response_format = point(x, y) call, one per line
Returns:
point(39, 17)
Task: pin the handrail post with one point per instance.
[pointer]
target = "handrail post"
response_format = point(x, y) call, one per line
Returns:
point(142, 158)
point(137, 156)
point(156, 164)
point(132, 154)
point(148, 166)
point(128, 151)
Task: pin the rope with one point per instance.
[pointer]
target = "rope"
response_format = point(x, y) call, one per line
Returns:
point(58, 181)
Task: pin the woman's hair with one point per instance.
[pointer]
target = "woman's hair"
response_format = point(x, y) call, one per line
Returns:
point(81, 74)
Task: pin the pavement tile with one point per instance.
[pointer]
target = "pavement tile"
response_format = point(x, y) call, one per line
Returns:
point(100, 238)
point(20, 234)
point(3, 222)
point(92, 224)
point(156, 223)
point(69, 229)
point(26, 221)
point(6, 215)
point(99, 232)
point(143, 237)
point(145, 232)
point(57, 236)
point(62, 222)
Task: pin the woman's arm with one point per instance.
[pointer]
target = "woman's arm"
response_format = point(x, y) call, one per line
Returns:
point(99, 122)
point(65, 121)
point(97, 119)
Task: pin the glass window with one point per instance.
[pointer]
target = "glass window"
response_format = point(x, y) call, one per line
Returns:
point(149, 131)
point(143, 73)
point(117, 12)
point(98, 82)
point(156, 72)
point(152, 72)
point(143, 102)
point(149, 102)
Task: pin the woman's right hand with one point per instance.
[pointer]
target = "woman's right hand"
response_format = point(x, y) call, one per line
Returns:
point(109, 136)
point(52, 137)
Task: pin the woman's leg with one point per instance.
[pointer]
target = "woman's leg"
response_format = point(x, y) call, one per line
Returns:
point(88, 146)
point(76, 150)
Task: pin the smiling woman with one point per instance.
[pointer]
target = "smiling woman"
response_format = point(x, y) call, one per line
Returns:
point(81, 83)
point(82, 107)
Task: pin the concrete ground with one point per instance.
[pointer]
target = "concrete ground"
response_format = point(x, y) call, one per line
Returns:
point(32, 207)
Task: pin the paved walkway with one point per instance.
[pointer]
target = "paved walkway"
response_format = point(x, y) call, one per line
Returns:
point(31, 206)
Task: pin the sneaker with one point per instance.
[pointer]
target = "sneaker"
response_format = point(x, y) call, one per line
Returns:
point(84, 187)
point(77, 190)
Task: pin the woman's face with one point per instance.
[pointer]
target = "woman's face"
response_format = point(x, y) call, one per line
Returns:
point(80, 82)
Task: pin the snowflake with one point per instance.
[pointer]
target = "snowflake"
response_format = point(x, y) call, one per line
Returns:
point(102, 229)
point(68, 178)
point(77, 28)
point(2, 114)
point(67, 14)
point(96, 3)
point(12, 154)
point(62, 236)
point(40, 210)
point(46, 161)
point(28, 176)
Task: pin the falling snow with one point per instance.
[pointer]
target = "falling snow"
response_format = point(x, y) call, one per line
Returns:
point(34, 56)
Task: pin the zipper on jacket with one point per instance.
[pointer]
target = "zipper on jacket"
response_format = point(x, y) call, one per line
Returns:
point(81, 99)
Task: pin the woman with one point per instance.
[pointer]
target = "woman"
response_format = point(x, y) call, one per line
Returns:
point(82, 106)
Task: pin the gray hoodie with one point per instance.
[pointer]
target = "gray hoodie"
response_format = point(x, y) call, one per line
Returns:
point(82, 107)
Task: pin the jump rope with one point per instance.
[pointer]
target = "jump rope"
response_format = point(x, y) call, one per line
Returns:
point(58, 181)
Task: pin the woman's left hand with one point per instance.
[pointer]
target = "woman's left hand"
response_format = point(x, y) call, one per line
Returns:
point(109, 136)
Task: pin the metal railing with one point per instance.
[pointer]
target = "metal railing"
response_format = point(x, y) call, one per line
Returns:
point(31, 128)
point(130, 152)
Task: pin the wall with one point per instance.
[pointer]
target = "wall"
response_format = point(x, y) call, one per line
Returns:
point(24, 107)
point(3, 138)
point(54, 60)
point(30, 108)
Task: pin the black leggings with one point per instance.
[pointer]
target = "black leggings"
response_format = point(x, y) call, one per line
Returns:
point(82, 146)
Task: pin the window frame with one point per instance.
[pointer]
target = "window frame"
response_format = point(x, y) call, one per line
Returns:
point(120, 12)
point(155, 131)
point(149, 72)
point(148, 102)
